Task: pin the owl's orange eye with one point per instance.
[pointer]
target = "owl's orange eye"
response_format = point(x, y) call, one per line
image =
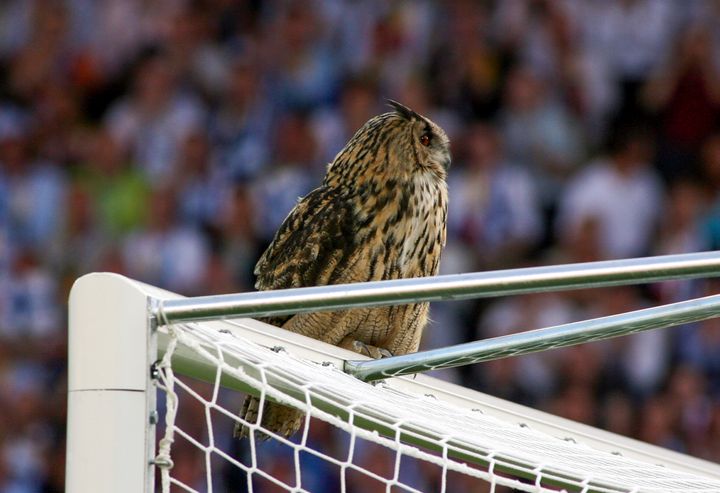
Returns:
point(425, 139)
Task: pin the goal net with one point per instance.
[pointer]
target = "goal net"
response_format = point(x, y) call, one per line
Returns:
point(152, 406)
point(358, 436)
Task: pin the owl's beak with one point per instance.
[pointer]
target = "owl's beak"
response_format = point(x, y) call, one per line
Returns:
point(447, 161)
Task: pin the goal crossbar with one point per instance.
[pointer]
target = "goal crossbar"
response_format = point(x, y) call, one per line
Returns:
point(445, 287)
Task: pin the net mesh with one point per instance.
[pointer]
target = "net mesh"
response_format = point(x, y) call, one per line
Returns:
point(360, 437)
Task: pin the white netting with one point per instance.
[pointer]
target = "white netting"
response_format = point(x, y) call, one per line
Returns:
point(426, 444)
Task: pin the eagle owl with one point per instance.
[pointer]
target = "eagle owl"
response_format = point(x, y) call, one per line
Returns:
point(380, 213)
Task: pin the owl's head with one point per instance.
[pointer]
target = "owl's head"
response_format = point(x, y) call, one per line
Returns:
point(398, 143)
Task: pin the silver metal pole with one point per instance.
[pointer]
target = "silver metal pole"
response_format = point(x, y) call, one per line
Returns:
point(448, 287)
point(538, 340)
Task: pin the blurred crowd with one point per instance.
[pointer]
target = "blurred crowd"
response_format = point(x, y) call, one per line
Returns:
point(167, 139)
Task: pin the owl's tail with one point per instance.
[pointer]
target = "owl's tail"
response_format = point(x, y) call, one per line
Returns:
point(276, 418)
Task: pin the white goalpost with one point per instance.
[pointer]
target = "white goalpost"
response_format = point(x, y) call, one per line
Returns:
point(156, 380)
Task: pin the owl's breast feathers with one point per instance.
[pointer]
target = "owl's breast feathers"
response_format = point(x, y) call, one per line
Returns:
point(406, 224)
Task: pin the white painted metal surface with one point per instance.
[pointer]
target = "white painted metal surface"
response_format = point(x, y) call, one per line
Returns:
point(109, 440)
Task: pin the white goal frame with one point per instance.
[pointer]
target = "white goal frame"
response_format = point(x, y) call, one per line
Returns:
point(115, 338)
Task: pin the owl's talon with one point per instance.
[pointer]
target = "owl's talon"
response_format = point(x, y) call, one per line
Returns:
point(371, 351)
point(361, 347)
point(384, 353)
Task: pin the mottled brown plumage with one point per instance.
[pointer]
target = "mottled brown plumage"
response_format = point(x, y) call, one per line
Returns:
point(380, 213)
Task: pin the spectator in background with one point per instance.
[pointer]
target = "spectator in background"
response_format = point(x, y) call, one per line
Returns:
point(686, 95)
point(622, 192)
point(81, 245)
point(119, 33)
point(46, 54)
point(153, 120)
point(697, 345)
point(35, 191)
point(200, 62)
point(619, 414)
point(201, 188)
point(658, 425)
point(628, 39)
point(240, 245)
point(303, 70)
point(711, 448)
point(687, 385)
point(57, 123)
point(494, 208)
point(295, 171)
point(574, 402)
point(637, 363)
point(396, 40)
point(539, 133)
point(680, 231)
point(241, 123)
point(27, 294)
point(119, 190)
point(464, 70)
point(710, 164)
point(167, 252)
point(541, 35)
point(25, 442)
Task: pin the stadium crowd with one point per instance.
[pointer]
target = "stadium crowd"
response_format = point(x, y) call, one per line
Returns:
point(167, 139)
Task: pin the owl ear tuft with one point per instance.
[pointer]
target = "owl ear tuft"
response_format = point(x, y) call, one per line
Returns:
point(403, 110)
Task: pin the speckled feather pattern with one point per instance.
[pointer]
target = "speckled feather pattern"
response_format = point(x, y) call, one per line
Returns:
point(380, 213)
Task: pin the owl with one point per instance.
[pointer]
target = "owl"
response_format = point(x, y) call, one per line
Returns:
point(380, 213)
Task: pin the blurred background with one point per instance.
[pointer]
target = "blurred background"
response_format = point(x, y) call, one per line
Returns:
point(167, 139)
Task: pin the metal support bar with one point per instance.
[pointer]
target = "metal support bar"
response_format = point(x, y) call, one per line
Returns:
point(448, 287)
point(538, 340)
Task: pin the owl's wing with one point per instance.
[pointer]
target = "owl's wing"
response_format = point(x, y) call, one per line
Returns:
point(308, 247)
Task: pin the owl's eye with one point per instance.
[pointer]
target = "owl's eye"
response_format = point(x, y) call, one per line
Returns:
point(425, 139)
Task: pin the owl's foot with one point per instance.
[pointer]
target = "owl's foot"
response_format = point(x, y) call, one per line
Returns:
point(368, 350)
